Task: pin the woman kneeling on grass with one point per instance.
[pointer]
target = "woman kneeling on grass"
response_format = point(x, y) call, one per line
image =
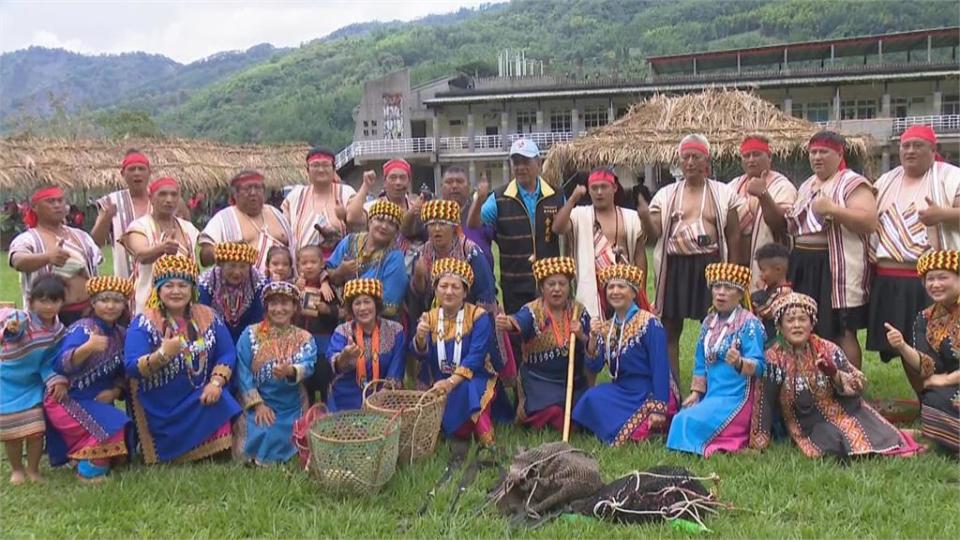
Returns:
point(273, 359)
point(545, 326)
point(86, 426)
point(817, 392)
point(179, 359)
point(457, 346)
point(365, 348)
point(935, 353)
point(729, 358)
point(643, 395)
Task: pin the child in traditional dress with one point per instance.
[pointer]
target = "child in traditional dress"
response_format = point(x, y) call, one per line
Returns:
point(773, 259)
point(279, 264)
point(319, 313)
point(29, 342)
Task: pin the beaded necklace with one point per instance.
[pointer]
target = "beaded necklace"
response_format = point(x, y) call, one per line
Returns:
point(458, 336)
point(194, 353)
point(374, 353)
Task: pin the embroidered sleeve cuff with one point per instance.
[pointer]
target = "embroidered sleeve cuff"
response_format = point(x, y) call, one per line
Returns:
point(698, 384)
point(146, 365)
point(464, 372)
point(251, 399)
point(748, 368)
point(927, 367)
point(417, 350)
point(223, 371)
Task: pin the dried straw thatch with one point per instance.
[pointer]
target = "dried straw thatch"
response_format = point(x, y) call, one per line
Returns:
point(95, 164)
point(651, 132)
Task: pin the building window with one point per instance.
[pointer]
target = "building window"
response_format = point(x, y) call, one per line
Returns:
point(621, 112)
point(899, 107)
point(366, 124)
point(366, 132)
point(858, 109)
point(594, 117)
point(848, 109)
point(373, 132)
point(950, 105)
point(560, 121)
point(373, 123)
point(526, 121)
point(818, 111)
point(454, 122)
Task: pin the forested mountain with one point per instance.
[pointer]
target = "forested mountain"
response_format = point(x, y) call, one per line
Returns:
point(308, 94)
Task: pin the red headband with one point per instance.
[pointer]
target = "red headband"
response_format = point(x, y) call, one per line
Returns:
point(245, 177)
point(30, 217)
point(830, 145)
point(602, 175)
point(751, 144)
point(134, 158)
point(46, 193)
point(397, 164)
point(696, 146)
point(319, 157)
point(924, 133)
point(161, 183)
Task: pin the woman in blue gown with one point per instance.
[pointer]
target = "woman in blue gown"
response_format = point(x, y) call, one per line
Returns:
point(456, 346)
point(86, 426)
point(274, 357)
point(234, 287)
point(545, 326)
point(365, 348)
point(179, 359)
point(727, 369)
point(642, 397)
point(374, 255)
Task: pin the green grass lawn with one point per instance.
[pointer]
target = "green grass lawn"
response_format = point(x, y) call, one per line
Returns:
point(776, 494)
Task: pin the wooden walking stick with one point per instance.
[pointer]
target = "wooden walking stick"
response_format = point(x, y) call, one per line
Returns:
point(568, 403)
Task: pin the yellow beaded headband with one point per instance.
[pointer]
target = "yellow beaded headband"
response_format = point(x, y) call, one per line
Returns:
point(554, 266)
point(452, 267)
point(938, 260)
point(440, 211)
point(234, 252)
point(362, 287)
point(384, 209)
point(109, 284)
point(622, 273)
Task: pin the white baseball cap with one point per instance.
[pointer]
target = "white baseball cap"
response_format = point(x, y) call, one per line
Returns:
point(524, 147)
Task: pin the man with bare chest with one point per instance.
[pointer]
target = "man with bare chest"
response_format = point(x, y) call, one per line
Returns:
point(249, 220)
point(50, 246)
point(919, 211)
point(695, 224)
point(603, 234)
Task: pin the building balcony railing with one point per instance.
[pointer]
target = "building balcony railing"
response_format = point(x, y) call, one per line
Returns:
point(446, 145)
point(941, 123)
point(801, 71)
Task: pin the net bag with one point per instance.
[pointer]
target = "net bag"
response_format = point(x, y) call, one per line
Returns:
point(658, 494)
point(354, 452)
point(420, 415)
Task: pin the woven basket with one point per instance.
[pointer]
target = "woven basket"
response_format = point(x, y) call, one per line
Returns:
point(354, 452)
point(420, 416)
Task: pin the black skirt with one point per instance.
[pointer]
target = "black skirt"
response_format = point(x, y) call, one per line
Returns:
point(809, 274)
point(685, 294)
point(894, 300)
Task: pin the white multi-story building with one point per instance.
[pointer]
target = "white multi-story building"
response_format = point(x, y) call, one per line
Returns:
point(876, 85)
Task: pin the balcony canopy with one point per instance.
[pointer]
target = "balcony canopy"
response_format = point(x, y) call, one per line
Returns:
point(805, 51)
point(95, 164)
point(650, 133)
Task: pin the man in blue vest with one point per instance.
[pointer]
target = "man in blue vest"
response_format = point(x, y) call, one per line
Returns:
point(521, 213)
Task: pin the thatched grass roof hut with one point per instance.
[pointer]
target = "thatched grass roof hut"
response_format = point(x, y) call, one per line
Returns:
point(651, 131)
point(95, 164)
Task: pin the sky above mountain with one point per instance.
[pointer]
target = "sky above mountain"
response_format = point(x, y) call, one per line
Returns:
point(190, 30)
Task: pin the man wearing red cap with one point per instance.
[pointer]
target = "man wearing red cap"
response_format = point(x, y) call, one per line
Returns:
point(156, 234)
point(919, 210)
point(603, 234)
point(50, 246)
point(317, 212)
point(831, 224)
point(249, 220)
point(695, 224)
point(119, 209)
point(767, 195)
